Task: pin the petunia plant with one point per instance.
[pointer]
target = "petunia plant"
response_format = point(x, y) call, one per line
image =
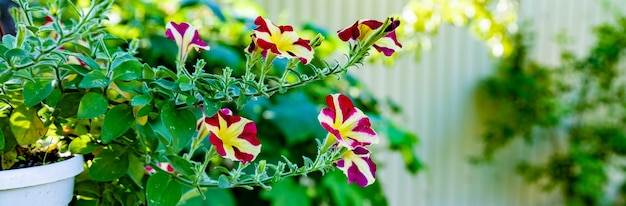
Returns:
point(151, 131)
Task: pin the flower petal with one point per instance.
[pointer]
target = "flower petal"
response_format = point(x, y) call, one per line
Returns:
point(360, 30)
point(348, 124)
point(363, 29)
point(280, 40)
point(388, 44)
point(358, 166)
point(186, 37)
point(233, 137)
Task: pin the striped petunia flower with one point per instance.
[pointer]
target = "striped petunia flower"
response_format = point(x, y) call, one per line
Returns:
point(346, 123)
point(279, 40)
point(233, 137)
point(186, 37)
point(357, 166)
point(363, 29)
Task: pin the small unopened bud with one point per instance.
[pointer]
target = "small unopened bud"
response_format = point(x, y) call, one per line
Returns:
point(261, 168)
point(317, 40)
point(391, 24)
point(21, 35)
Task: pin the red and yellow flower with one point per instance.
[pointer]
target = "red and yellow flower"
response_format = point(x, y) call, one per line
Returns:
point(233, 137)
point(186, 37)
point(362, 30)
point(281, 41)
point(346, 123)
point(357, 166)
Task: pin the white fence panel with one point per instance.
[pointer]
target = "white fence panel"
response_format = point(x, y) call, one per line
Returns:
point(437, 95)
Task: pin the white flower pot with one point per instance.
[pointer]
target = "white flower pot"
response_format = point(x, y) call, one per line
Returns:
point(51, 184)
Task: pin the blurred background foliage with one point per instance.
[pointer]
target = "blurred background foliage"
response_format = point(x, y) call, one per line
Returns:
point(577, 110)
point(287, 123)
point(491, 21)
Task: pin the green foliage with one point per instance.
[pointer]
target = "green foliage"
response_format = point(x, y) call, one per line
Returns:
point(180, 125)
point(109, 164)
point(26, 125)
point(72, 80)
point(92, 105)
point(287, 192)
point(116, 121)
point(491, 26)
point(163, 189)
point(577, 108)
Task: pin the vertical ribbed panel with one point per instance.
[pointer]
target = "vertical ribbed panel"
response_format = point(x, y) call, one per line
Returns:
point(437, 95)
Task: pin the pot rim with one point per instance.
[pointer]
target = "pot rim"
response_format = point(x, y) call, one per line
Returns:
point(38, 175)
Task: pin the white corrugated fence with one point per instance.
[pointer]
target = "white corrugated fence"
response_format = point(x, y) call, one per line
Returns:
point(437, 96)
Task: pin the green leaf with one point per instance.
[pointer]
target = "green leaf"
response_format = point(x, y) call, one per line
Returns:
point(89, 61)
point(8, 41)
point(77, 68)
point(148, 72)
point(116, 121)
point(16, 52)
point(287, 192)
point(223, 182)
point(37, 91)
point(68, 106)
point(5, 73)
point(180, 124)
point(301, 113)
point(184, 83)
point(8, 159)
point(94, 79)
point(211, 108)
point(140, 100)
point(148, 134)
point(83, 145)
point(1, 140)
point(111, 163)
point(92, 105)
point(136, 169)
point(128, 70)
point(9, 138)
point(54, 97)
point(3, 49)
point(26, 125)
point(166, 84)
point(214, 197)
point(162, 189)
point(181, 165)
point(344, 194)
point(145, 110)
point(87, 188)
point(24, 73)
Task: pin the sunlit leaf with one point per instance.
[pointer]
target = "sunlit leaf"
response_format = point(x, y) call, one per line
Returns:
point(27, 127)
point(83, 145)
point(92, 105)
point(37, 91)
